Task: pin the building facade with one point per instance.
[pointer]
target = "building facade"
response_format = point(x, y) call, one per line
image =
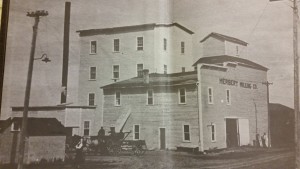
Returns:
point(113, 54)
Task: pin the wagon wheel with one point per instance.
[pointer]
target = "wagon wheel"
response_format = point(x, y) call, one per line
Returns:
point(138, 151)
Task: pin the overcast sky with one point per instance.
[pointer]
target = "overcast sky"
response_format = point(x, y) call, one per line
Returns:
point(266, 26)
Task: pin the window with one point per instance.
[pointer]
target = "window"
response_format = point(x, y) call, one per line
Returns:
point(182, 96)
point(183, 69)
point(118, 99)
point(165, 69)
point(182, 47)
point(92, 73)
point(213, 132)
point(165, 44)
point(116, 45)
point(237, 50)
point(116, 71)
point(139, 69)
point(91, 99)
point(86, 128)
point(186, 133)
point(210, 96)
point(228, 99)
point(136, 132)
point(15, 126)
point(140, 43)
point(93, 47)
point(150, 97)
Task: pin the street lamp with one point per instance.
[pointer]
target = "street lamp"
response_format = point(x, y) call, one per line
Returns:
point(36, 15)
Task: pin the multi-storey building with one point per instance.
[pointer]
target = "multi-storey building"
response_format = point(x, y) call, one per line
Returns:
point(113, 54)
point(222, 104)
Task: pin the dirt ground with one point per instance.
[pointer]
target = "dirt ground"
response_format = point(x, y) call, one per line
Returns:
point(228, 159)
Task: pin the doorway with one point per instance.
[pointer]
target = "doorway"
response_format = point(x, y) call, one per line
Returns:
point(162, 138)
point(232, 133)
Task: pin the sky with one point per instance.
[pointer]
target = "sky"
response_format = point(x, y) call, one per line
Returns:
point(266, 26)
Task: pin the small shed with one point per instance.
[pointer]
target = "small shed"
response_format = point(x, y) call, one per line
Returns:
point(45, 139)
point(282, 125)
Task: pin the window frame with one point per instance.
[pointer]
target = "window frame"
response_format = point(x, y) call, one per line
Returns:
point(213, 133)
point(91, 53)
point(182, 47)
point(212, 95)
point(184, 132)
point(165, 44)
point(119, 103)
point(137, 43)
point(113, 72)
point(114, 45)
point(89, 128)
point(179, 96)
point(165, 69)
point(137, 70)
point(94, 101)
point(151, 97)
point(134, 132)
point(90, 73)
point(228, 97)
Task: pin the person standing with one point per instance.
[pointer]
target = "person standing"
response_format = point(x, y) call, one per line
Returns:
point(79, 158)
point(264, 139)
point(257, 140)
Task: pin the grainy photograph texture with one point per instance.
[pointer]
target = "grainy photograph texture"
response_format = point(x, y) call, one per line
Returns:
point(96, 84)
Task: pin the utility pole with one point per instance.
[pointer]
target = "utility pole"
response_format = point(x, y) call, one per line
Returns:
point(36, 15)
point(296, 82)
point(268, 102)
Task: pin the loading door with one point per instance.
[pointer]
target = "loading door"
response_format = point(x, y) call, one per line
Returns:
point(162, 132)
point(244, 132)
point(231, 133)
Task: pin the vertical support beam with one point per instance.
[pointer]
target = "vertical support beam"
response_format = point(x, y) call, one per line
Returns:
point(269, 114)
point(36, 15)
point(63, 97)
point(296, 82)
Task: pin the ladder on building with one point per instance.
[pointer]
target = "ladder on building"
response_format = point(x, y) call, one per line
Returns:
point(122, 120)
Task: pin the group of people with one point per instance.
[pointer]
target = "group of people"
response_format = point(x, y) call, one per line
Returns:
point(262, 141)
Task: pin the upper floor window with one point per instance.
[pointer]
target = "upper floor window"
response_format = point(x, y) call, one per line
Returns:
point(91, 99)
point(165, 69)
point(139, 69)
point(181, 93)
point(228, 99)
point(118, 98)
point(86, 128)
point(93, 49)
point(165, 44)
point(210, 95)
point(116, 45)
point(213, 132)
point(140, 43)
point(92, 73)
point(186, 133)
point(116, 71)
point(136, 132)
point(150, 97)
point(182, 47)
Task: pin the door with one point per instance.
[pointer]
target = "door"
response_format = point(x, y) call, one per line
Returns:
point(244, 132)
point(162, 132)
point(231, 133)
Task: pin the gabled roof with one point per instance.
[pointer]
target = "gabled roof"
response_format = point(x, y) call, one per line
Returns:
point(220, 60)
point(37, 126)
point(276, 107)
point(156, 79)
point(225, 37)
point(130, 28)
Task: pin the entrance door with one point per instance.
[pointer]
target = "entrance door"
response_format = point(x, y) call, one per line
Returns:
point(162, 132)
point(244, 132)
point(231, 133)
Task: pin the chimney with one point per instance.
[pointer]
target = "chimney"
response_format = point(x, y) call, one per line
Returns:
point(63, 98)
point(146, 76)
